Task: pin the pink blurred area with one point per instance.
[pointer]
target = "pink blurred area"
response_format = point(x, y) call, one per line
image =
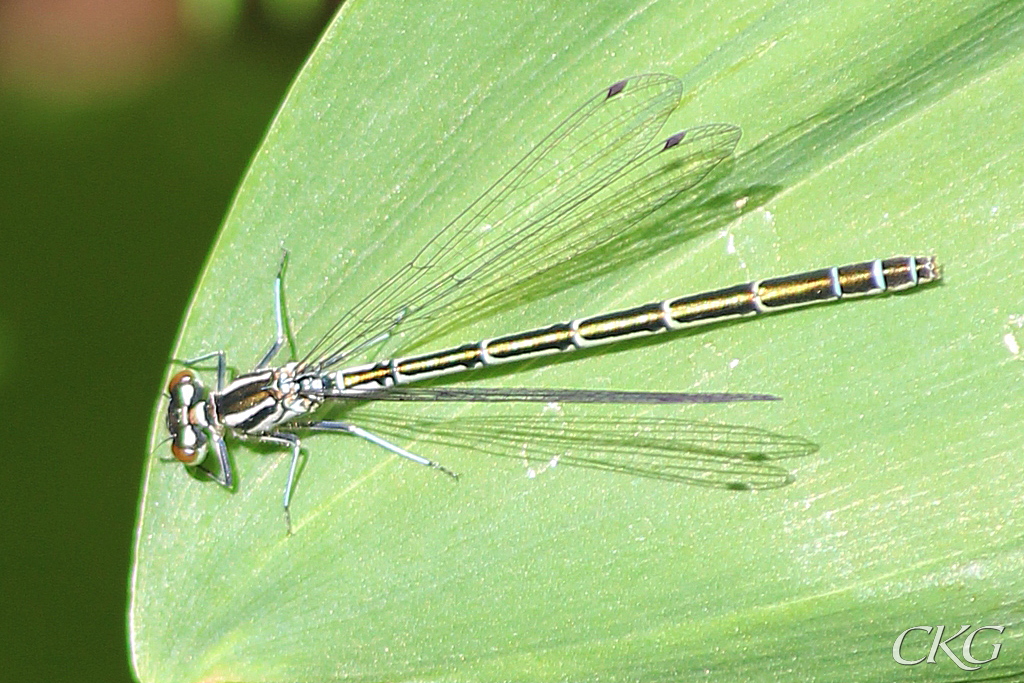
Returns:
point(83, 50)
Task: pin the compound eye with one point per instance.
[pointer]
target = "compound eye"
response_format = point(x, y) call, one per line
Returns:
point(189, 446)
point(183, 377)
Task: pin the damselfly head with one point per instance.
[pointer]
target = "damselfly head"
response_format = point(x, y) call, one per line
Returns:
point(186, 418)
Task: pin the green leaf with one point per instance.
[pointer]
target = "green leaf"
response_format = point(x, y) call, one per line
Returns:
point(870, 130)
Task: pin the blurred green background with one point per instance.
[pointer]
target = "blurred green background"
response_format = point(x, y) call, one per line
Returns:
point(125, 126)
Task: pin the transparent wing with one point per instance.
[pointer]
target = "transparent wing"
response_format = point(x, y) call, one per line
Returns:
point(596, 174)
point(707, 454)
point(529, 395)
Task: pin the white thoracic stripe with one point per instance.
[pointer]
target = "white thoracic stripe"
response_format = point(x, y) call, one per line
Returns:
point(240, 417)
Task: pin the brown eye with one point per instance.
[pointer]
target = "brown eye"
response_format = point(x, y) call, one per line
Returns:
point(184, 455)
point(183, 377)
point(193, 451)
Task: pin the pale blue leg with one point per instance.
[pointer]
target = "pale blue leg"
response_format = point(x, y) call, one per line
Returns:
point(278, 314)
point(331, 426)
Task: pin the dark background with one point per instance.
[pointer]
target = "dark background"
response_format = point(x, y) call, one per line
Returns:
point(122, 138)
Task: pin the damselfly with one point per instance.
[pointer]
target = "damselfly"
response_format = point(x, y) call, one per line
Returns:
point(596, 175)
